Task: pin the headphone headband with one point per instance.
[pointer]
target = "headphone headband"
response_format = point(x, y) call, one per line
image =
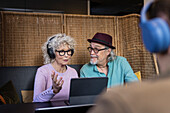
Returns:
point(155, 32)
point(144, 10)
point(50, 39)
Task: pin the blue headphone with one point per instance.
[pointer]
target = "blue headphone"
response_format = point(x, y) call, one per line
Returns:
point(155, 32)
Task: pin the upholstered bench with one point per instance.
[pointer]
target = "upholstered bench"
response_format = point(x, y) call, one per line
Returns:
point(22, 78)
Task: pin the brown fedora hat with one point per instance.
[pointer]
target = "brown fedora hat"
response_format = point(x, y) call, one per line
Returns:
point(102, 38)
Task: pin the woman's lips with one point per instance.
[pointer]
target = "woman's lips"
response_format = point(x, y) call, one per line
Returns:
point(66, 60)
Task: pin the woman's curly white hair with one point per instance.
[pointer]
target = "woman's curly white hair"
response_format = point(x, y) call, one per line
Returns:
point(55, 42)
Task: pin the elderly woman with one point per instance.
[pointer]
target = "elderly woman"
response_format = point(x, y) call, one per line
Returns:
point(52, 80)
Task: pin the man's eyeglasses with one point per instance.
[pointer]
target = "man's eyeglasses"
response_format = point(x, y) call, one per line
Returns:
point(62, 52)
point(95, 49)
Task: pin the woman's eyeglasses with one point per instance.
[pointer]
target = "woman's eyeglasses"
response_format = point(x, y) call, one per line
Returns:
point(62, 52)
point(95, 49)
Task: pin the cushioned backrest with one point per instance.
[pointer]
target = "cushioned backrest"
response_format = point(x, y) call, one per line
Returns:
point(22, 77)
point(9, 94)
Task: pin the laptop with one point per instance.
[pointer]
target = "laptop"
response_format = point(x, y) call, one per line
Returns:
point(83, 93)
point(65, 109)
point(85, 90)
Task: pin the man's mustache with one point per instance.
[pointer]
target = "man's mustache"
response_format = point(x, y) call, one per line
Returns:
point(94, 56)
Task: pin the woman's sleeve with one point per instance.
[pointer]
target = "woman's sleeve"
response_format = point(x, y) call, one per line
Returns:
point(41, 94)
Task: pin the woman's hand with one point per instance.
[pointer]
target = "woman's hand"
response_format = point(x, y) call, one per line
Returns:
point(56, 83)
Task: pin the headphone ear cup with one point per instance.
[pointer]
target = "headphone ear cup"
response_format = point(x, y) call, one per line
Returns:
point(156, 35)
point(51, 53)
point(72, 52)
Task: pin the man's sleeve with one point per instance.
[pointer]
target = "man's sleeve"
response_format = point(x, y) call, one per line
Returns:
point(82, 75)
point(129, 74)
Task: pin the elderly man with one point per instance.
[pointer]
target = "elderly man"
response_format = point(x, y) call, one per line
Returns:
point(150, 96)
point(104, 63)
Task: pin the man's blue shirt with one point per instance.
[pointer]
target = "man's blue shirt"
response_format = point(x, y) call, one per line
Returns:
point(119, 71)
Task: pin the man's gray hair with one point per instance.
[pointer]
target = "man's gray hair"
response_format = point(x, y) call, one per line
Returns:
point(112, 55)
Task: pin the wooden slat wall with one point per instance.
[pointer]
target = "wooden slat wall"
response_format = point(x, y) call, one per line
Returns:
point(83, 28)
point(131, 46)
point(22, 35)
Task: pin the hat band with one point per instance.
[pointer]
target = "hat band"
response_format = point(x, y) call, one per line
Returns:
point(102, 41)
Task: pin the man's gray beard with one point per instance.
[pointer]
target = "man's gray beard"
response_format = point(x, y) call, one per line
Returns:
point(93, 63)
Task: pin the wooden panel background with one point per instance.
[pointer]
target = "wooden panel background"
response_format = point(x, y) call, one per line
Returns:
point(22, 35)
point(131, 45)
point(83, 28)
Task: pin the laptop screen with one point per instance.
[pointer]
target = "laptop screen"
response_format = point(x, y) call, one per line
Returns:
point(85, 90)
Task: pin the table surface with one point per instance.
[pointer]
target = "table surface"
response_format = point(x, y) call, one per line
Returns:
point(49, 107)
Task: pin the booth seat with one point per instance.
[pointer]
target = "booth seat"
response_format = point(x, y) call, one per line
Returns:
point(22, 78)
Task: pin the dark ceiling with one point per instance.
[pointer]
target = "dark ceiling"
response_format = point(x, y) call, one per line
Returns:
point(98, 7)
point(115, 7)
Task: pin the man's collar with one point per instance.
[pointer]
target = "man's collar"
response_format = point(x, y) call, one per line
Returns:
point(95, 66)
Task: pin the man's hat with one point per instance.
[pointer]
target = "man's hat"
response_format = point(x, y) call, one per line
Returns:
point(102, 38)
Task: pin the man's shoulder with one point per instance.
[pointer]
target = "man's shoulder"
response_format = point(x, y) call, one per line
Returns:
point(86, 70)
point(87, 65)
point(120, 58)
